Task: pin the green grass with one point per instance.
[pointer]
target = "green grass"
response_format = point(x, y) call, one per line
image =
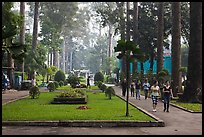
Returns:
point(196, 107)
point(101, 108)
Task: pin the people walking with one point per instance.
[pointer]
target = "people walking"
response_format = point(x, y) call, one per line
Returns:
point(138, 88)
point(132, 89)
point(155, 94)
point(167, 90)
point(124, 87)
point(146, 87)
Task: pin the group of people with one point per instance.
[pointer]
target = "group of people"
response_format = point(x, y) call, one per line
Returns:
point(149, 91)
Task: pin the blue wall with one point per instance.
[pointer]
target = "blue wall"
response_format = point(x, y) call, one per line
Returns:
point(167, 65)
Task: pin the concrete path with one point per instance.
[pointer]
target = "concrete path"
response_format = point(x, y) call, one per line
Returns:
point(177, 122)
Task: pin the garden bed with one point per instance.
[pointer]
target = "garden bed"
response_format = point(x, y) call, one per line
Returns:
point(66, 100)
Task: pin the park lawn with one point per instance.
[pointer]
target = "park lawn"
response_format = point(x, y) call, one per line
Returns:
point(196, 107)
point(101, 108)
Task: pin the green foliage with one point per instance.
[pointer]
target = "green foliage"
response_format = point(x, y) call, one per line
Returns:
point(109, 92)
point(56, 84)
point(103, 87)
point(34, 92)
point(99, 77)
point(59, 76)
point(73, 80)
point(163, 75)
point(61, 83)
point(51, 86)
point(98, 83)
point(73, 93)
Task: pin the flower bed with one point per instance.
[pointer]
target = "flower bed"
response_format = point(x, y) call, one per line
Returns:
point(71, 96)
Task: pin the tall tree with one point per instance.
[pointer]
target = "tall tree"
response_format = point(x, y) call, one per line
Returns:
point(35, 32)
point(194, 74)
point(135, 31)
point(160, 36)
point(176, 47)
point(22, 31)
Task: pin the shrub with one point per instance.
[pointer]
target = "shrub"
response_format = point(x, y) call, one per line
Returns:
point(59, 76)
point(51, 86)
point(56, 84)
point(61, 83)
point(83, 85)
point(103, 87)
point(98, 77)
point(99, 84)
point(109, 92)
point(73, 80)
point(34, 92)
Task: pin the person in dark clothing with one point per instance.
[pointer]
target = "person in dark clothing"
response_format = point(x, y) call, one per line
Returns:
point(124, 87)
point(88, 82)
point(132, 88)
point(167, 90)
point(138, 89)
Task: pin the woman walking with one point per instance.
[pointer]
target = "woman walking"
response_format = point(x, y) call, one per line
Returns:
point(155, 94)
point(132, 88)
point(167, 90)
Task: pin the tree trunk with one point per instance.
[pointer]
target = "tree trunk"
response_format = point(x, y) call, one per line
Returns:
point(176, 47)
point(194, 74)
point(128, 22)
point(135, 31)
point(110, 46)
point(122, 32)
point(22, 31)
point(35, 31)
point(160, 37)
point(10, 70)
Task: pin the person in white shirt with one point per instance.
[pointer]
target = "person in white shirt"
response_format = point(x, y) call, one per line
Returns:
point(155, 94)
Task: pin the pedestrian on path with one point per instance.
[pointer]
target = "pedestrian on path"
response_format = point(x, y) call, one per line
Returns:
point(132, 89)
point(155, 94)
point(88, 82)
point(124, 87)
point(146, 87)
point(167, 90)
point(138, 86)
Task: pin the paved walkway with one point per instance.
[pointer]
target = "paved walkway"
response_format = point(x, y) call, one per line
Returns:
point(177, 121)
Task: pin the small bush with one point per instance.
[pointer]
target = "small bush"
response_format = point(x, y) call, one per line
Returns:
point(103, 87)
point(61, 83)
point(73, 80)
point(83, 85)
point(51, 86)
point(59, 76)
point(56, 84)
point(99, 84)
point(98, 77)
point(109, 92)
point(34, 92)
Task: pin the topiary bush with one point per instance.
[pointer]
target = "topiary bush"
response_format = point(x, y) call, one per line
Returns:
point(56, 84)
point(109, 92)
point(51, 86)
point(61, 83)
point(34, 92)
point(99, 77)
point(59, 76)
point(99, 84)
point(73, 80)
point(103, 87)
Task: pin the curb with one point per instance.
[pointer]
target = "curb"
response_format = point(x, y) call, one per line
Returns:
point(15, 99)
point(161, 122)
point(85, 123)
point(183, 108)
